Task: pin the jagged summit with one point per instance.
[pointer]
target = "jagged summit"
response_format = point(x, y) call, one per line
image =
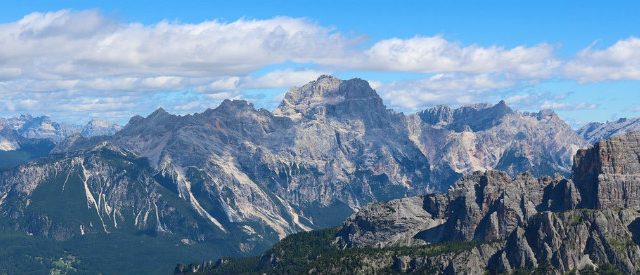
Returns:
point(235, 105)
point(546, 114)
point(329, 95)
point(475, 117)
point(159, 112)
point(99, 127)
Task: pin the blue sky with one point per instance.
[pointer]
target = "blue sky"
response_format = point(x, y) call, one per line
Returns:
point(579, 58)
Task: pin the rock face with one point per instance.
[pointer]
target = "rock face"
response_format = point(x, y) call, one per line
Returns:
point(574, 240)
point(484, 137)
point(466, 262)
point(484, 206)
point(113, 212)
point(609, 173)
point(476, 118)
point(393, 223)
point(596, 131)
point(550, 243)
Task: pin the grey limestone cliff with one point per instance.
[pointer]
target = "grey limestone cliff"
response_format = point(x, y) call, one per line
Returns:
point(608, 174)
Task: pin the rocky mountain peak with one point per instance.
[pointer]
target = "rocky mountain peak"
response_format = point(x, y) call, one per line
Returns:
point(235, 106)
point(99, 127)
point(158, 122)
point(159, 112)
point(476, 117)
point(331, 96)
point(238, 114)
point(357, 88)
point(160, 116)
point(134, 119)
point(546, 114)
point(591, 126)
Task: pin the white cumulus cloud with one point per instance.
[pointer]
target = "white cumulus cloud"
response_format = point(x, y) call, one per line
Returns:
point(438, 55)
point(81, 63)
point(454, 89)
point(620, 61)
point(88, 48)
point(568, 106)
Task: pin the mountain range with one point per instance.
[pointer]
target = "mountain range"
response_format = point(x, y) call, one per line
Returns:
point(486, 223)
point(234, 180)
point(42, 127)
point(595, 131)
point(26, 137)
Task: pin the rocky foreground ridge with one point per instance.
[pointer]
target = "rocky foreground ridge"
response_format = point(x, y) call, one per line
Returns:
point(486, 222)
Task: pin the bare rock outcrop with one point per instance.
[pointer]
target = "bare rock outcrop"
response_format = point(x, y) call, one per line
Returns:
point(608, 174)
point(483, 206)
point(384, 224)
point(574, 240)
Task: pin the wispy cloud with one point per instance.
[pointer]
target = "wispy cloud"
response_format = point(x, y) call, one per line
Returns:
point(280, 78)
point(568, 106)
